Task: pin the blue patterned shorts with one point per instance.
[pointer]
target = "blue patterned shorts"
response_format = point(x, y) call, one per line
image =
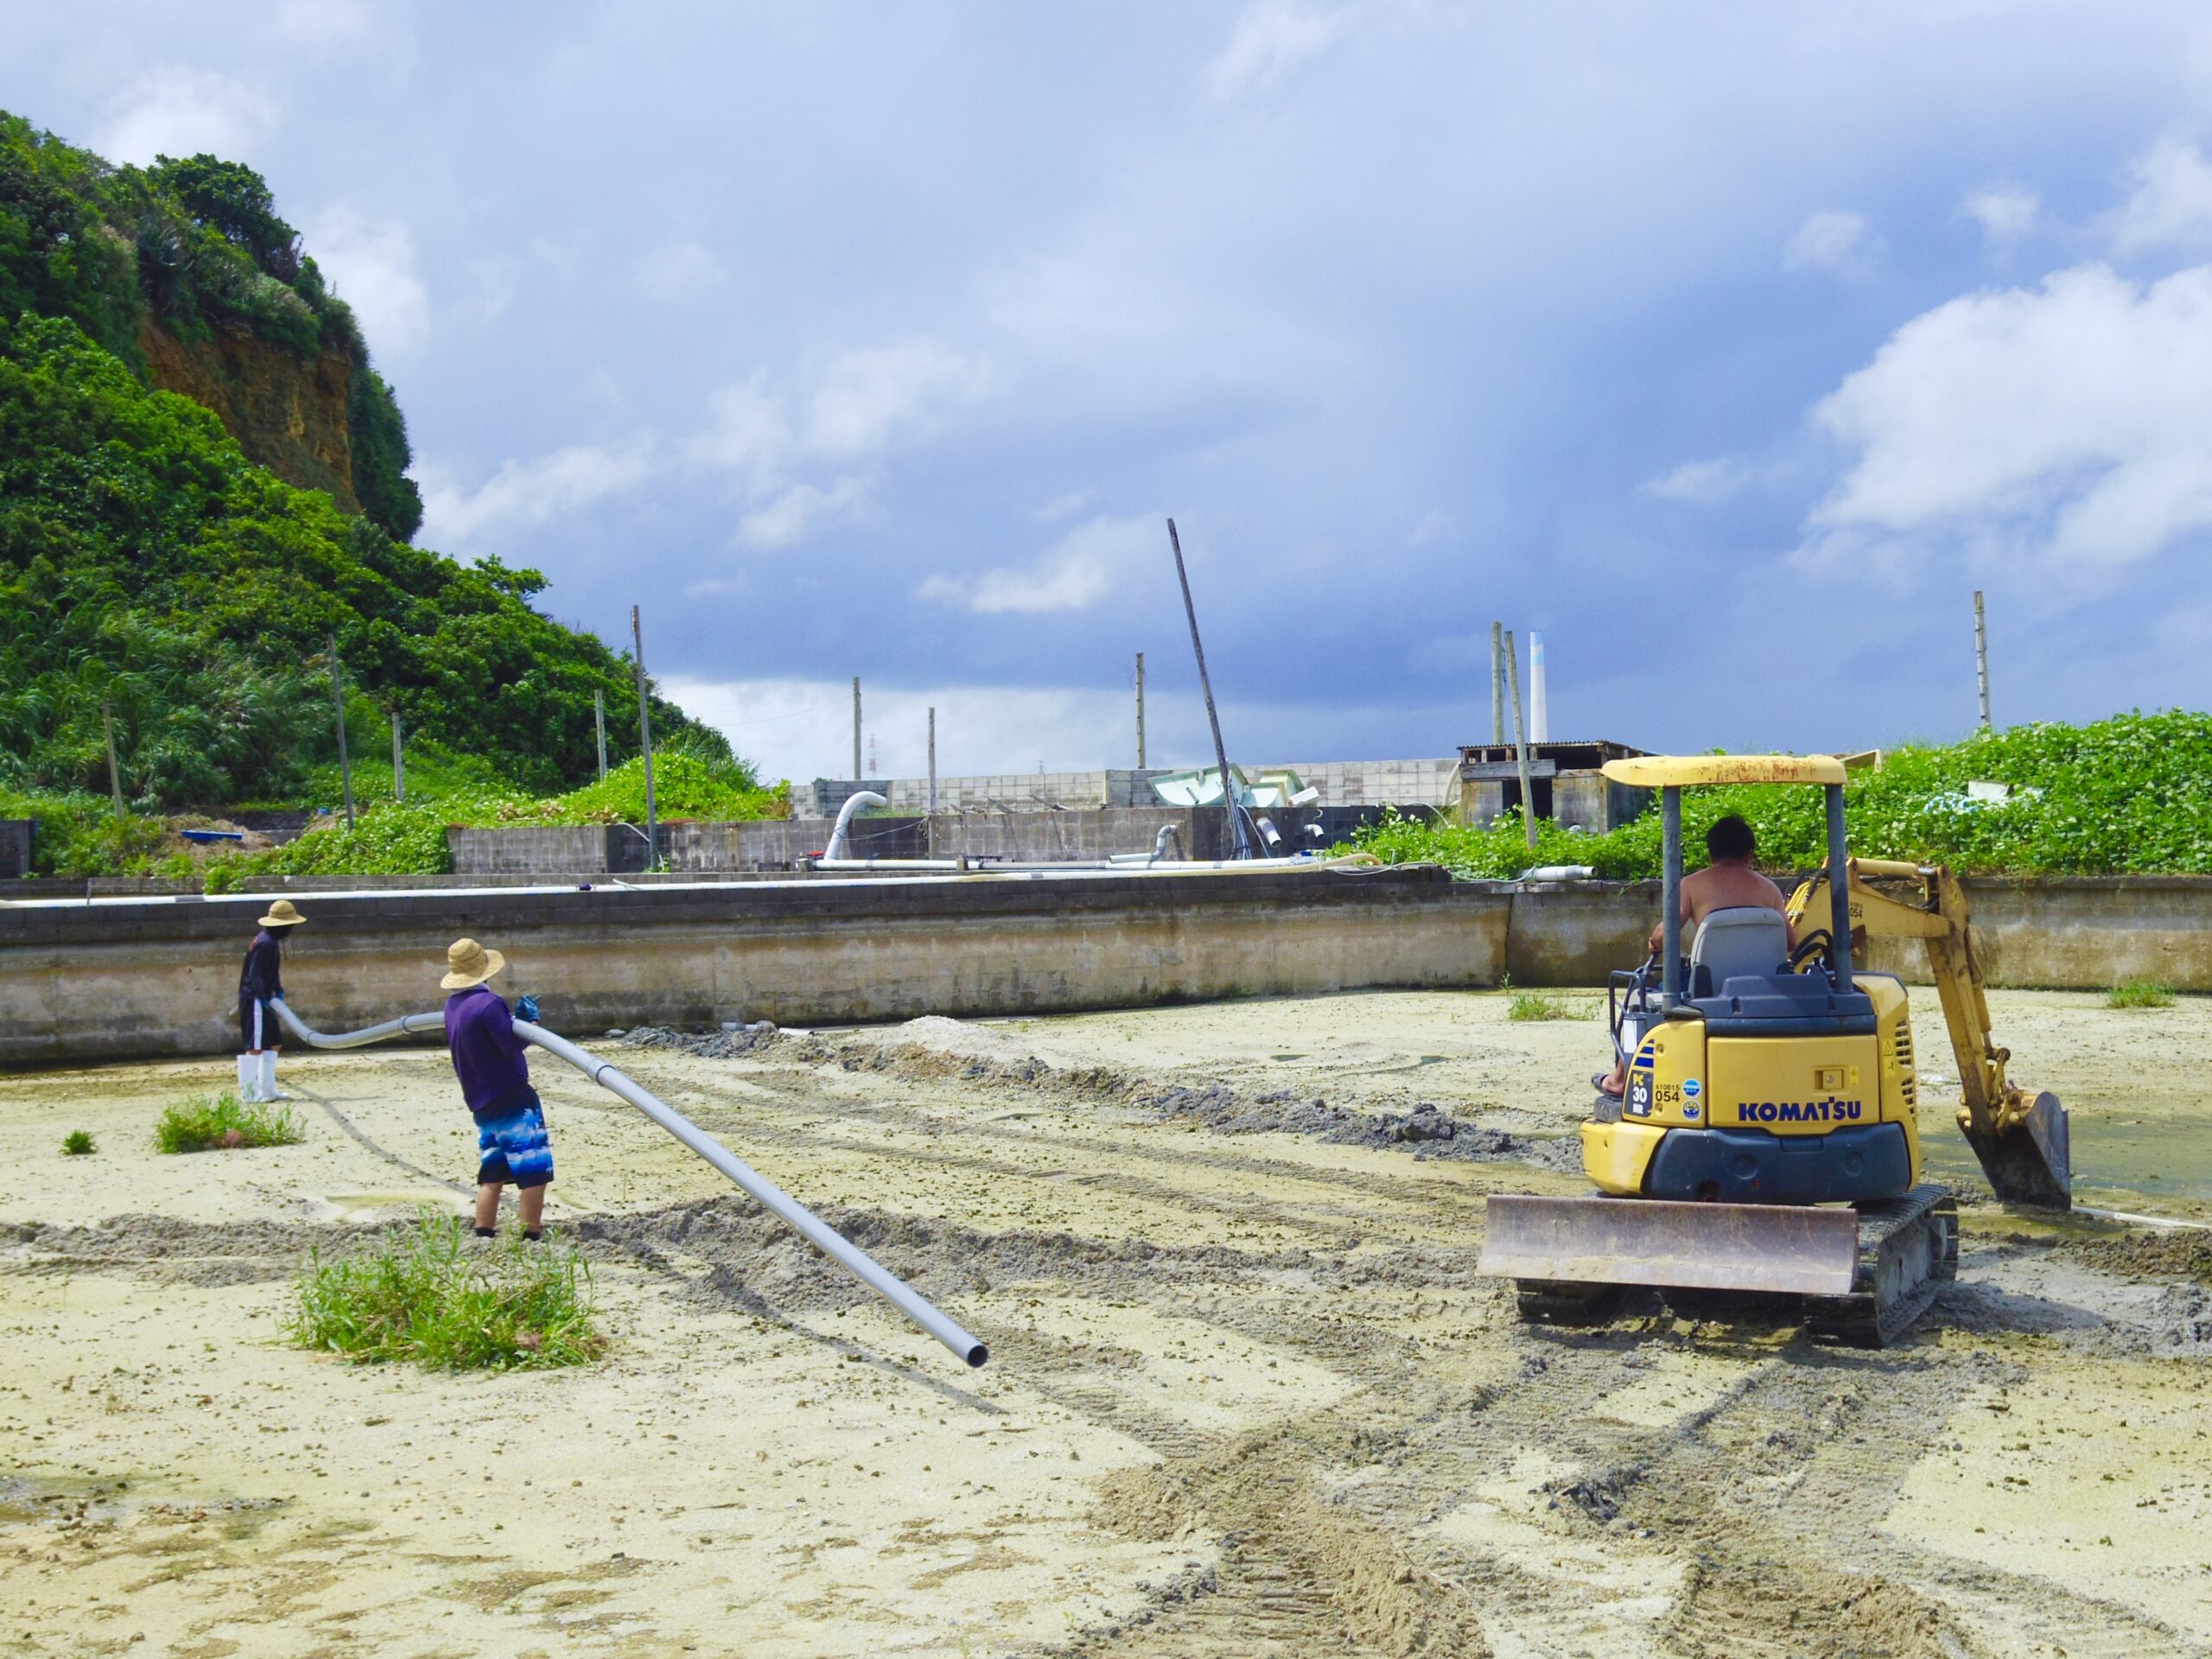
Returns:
point(510, 1139)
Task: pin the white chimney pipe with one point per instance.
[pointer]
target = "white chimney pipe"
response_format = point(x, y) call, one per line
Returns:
point(1539, 728)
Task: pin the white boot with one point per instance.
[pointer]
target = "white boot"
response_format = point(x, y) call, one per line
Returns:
point(249, 1077)
point(268, 1077)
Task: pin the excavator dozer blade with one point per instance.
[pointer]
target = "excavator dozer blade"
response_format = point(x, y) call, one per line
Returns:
point(2032, 1162)
point(1752, 1247)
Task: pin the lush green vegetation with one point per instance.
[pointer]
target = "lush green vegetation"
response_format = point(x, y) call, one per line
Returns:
point(2131, 794)
point(223, 1123)
point(155, 581)
point(436, 1298)
point(2138, 994)
point(150, 574)
point(78, 1143)
point(191, 245)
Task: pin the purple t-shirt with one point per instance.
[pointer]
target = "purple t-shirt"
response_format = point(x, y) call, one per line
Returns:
point(486, 1053)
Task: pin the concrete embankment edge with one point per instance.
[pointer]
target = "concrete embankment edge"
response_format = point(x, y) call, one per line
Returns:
point(124, 979)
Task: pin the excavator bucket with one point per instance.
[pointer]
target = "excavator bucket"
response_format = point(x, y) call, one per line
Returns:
point(2030, 1161)
point(1771, 1247)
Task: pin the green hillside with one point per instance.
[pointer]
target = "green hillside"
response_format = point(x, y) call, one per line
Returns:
point(153, 573)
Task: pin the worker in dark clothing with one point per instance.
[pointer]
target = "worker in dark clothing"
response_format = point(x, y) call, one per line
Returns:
point(261, 982)
point(487, 1057)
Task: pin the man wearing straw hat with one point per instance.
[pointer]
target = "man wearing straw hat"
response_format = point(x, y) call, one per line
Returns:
point(488, 1058)
point(261, 982)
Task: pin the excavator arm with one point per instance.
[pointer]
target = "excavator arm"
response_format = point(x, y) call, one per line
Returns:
point(2020, 1138)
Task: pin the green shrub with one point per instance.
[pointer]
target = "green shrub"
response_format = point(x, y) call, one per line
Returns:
point(433, 1297)
point(78, 1143)
point(2138, 994)
point(2129, 794)
point(224, 1122)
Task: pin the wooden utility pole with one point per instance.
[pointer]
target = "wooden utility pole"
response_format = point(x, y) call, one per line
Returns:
point(1981, 655)
point(599, 723)
point(1140, 711)
point(932, 759)
point(858, 776)
point(646, 741)
point(1521, 743)
point(114, 772)
point(338, 706)
point(398, 762)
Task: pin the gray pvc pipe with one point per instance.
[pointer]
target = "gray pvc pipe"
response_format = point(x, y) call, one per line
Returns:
point(854, 802)
point(780, 1203)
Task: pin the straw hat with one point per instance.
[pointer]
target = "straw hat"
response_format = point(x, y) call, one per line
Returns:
point(469, 963)
point(282, 914)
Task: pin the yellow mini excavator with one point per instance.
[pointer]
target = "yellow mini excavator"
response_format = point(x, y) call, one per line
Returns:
point(1767, 1144)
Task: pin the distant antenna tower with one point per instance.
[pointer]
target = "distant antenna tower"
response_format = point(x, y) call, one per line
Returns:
point(871, 767)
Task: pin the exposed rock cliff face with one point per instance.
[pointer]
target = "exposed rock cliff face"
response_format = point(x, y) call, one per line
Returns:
point(288, 416)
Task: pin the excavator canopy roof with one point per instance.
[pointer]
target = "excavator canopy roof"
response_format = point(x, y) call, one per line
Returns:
point(1681, 771)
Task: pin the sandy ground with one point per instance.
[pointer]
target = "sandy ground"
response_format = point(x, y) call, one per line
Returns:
point(1248, 1395)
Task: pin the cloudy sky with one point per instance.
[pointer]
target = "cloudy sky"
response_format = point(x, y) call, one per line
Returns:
point(1729, 346)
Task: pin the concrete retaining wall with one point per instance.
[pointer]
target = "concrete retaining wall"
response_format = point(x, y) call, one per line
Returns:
point(156, 976)
point(82, 982)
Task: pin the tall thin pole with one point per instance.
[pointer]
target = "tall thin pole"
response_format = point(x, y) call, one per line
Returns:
point(114, 772)
point(1521, 744)
point(1240, 842)
point(338, 706)
point(1540, 720)
point(857, 774)
point(932, 759)
point(599, 722)
point(1140, 711)
point(645, 741)
point(1981, 655)
point(1497, 683)
point(398, 761)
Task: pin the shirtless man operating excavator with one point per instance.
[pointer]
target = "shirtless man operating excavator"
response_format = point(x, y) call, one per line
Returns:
point(1727, 882)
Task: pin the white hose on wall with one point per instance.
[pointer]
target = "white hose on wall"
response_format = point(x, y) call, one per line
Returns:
point(780, 1203)
point(854, 802)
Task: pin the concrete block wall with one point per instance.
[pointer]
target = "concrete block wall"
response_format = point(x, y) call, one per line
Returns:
point(1342, 782)
point(1040, 836)
point(1021, 790)
point(531, 848)
point(1375, 782)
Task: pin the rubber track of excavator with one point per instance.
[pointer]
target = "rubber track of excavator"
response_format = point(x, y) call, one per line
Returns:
point(1908, 1248)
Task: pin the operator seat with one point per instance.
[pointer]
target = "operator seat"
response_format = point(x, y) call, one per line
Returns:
point(1740, 940)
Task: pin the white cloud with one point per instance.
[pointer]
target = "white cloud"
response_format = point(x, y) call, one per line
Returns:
point(1841, 244)
point(803, 728)
point(1700, 482)
point(1062, 506)
point(1432, 528)
point(2066, 423)
point(1271, 39)
point(2006, 212)
point(177, 110)
point(748, 433)
point(867, 398)
point(795, 511)
point(1074, 573)
point(2171, 204)
point(371, 263)
point(678, 269)
point(522, 493)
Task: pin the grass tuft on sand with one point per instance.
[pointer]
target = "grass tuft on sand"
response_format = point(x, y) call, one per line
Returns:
point(1534, 1005)
point(2138, 994)
point(78, 1143)
point(223, 1123)
point(439, 1297)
